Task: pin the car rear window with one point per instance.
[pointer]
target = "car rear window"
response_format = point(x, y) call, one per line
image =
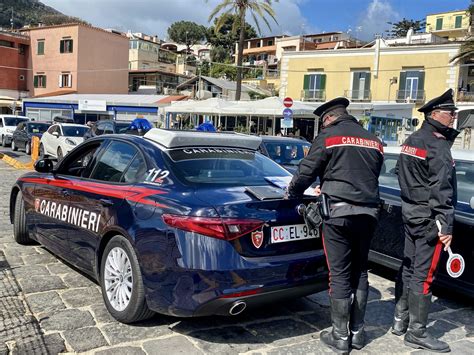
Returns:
point(222, 166)
point(38, 127)
point(287, 153)
point(74, 131)
point(14, 121)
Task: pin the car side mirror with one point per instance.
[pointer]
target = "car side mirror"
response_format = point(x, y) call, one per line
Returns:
point(56, 134)
point(471, 203)
point(44, 165)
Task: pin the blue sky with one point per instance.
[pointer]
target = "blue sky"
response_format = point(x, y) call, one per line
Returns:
point(362, 17)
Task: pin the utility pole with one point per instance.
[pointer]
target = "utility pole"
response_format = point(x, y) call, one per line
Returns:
point(11, 19)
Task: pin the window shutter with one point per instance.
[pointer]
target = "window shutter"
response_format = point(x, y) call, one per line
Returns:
point(458, 23)
point(367, 80)
point(61, 46)
point(402, 85)
point(355, 81)
point(35, 81)
point(69, 80)
point(60, 83)
point(70, 46)
point(44, 81)
point(323, 82)
point(421, 85)
point(306, 82)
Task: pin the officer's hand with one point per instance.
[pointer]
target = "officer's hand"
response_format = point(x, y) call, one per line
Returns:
point(317, 190)
point(446, 240)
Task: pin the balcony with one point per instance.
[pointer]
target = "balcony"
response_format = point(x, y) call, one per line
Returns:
point(417, 96)
point(313, 95)
point(465, 96)
point(358, 95)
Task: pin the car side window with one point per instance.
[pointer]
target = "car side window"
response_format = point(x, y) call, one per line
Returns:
point(80, 163)
point(109, 128)
point(465, 180)
point(136, 172)
point(52, 129)
point(113, 162)
point(388, 177)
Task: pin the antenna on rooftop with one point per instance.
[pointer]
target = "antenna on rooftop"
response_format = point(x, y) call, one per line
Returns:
point(11, 20)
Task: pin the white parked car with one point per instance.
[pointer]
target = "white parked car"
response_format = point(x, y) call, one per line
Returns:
point(8, 125)
point(61, 138)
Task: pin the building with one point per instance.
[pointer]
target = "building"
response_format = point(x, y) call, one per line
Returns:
point(84, 108)
point(159, 81)
point(76, 58)
point(205, 87)
point(392, 76)
point(14, 49)
point(452, 25)
point(267, 53)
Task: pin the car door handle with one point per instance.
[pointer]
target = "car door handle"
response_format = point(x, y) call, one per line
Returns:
point(106, 202)
point(66, 192)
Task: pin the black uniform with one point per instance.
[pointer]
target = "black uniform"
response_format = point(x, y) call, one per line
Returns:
point(427, 178)
point(347, 159)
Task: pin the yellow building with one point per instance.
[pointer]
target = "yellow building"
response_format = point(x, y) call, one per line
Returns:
point(392, 77)
point(453, 25)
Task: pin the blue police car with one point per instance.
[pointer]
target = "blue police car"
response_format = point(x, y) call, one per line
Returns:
point(176, 222)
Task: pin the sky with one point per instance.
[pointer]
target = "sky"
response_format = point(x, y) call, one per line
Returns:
point(362, 18)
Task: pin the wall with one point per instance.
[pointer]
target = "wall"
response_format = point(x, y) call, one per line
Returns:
point(102, 62)
point(11, 57)
point(52, 63)
point(337, 64)
point(448, 29)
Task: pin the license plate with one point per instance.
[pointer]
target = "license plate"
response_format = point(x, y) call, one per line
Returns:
point(283, 234)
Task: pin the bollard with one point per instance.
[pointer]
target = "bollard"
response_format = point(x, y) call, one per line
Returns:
point(35, 144)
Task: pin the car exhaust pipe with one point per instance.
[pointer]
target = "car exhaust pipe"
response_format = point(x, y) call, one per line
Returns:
point(237, 308)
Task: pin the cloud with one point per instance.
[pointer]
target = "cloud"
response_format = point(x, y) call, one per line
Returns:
point(375, 18)
point(154, 17)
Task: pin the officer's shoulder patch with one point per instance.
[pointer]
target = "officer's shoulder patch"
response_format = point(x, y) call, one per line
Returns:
point(439, 135)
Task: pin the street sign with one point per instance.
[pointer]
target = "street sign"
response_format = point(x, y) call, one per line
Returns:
point(288, 102)
point(286, 123)
point(287, 113)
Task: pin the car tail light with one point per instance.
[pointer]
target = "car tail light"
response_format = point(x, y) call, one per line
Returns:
point(221, 228)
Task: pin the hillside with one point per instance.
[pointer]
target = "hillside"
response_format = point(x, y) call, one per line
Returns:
point(26, 12)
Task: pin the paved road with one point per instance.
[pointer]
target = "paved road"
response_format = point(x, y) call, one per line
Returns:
point(48, 307)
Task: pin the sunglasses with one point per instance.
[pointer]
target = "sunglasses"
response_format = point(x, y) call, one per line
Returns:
point(452, 113)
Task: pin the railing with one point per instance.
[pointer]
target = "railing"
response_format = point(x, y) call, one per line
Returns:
point(410, 95)
point(465, 96)
point(358, 95)
point(313, 95)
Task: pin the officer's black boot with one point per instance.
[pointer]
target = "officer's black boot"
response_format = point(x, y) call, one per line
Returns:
point(401, 317)
point(338, 338)
point(417, 336)
point(357, 319)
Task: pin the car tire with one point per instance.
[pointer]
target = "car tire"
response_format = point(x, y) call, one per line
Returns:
point(28, 148)
point(20, 231)
point(126, 300)
point(4, 141)
point(41, 152)
point(60, 154)
point(14, 147)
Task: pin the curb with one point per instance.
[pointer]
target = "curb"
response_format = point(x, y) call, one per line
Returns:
point(19, 165)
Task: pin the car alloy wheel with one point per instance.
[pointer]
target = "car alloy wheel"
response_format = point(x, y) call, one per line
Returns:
point(41, 152)
point(60, 154)
point(118, 279)
point(4, 141)
point(28, 148)
point(14, 147)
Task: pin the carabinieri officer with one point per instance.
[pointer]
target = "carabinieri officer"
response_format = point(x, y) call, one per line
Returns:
point(427, 180)
point(347, 159)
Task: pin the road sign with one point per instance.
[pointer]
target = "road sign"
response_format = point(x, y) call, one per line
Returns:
point(286, 123)
point(287, 113)
point(288, 102)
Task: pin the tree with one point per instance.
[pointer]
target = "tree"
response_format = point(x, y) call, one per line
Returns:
point(224, 70)
point(467, 48)
point(260, 8)
point(224, 39)
point(187, 33)
point(400, 28)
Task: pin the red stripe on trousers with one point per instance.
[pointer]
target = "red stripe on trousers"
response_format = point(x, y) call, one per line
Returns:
point(434, 264)
point(327, 260)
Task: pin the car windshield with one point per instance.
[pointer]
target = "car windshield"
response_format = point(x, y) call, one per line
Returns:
point(38, 127)
point(14, 121)
point(74, 131)
point(287, 153)
point(222, 166)
point(121, 127)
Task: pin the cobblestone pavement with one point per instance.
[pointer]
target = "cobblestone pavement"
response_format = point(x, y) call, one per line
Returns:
point(48, 307)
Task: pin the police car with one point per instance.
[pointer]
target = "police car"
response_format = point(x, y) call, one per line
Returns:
point(175, 222)
point(388, 242)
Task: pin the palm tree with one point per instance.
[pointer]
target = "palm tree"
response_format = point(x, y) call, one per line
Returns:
point(262, 8)
point(467, 48)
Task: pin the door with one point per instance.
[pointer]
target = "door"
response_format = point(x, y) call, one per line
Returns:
point(48, 140)
point(100, 195)
point(411, 88)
